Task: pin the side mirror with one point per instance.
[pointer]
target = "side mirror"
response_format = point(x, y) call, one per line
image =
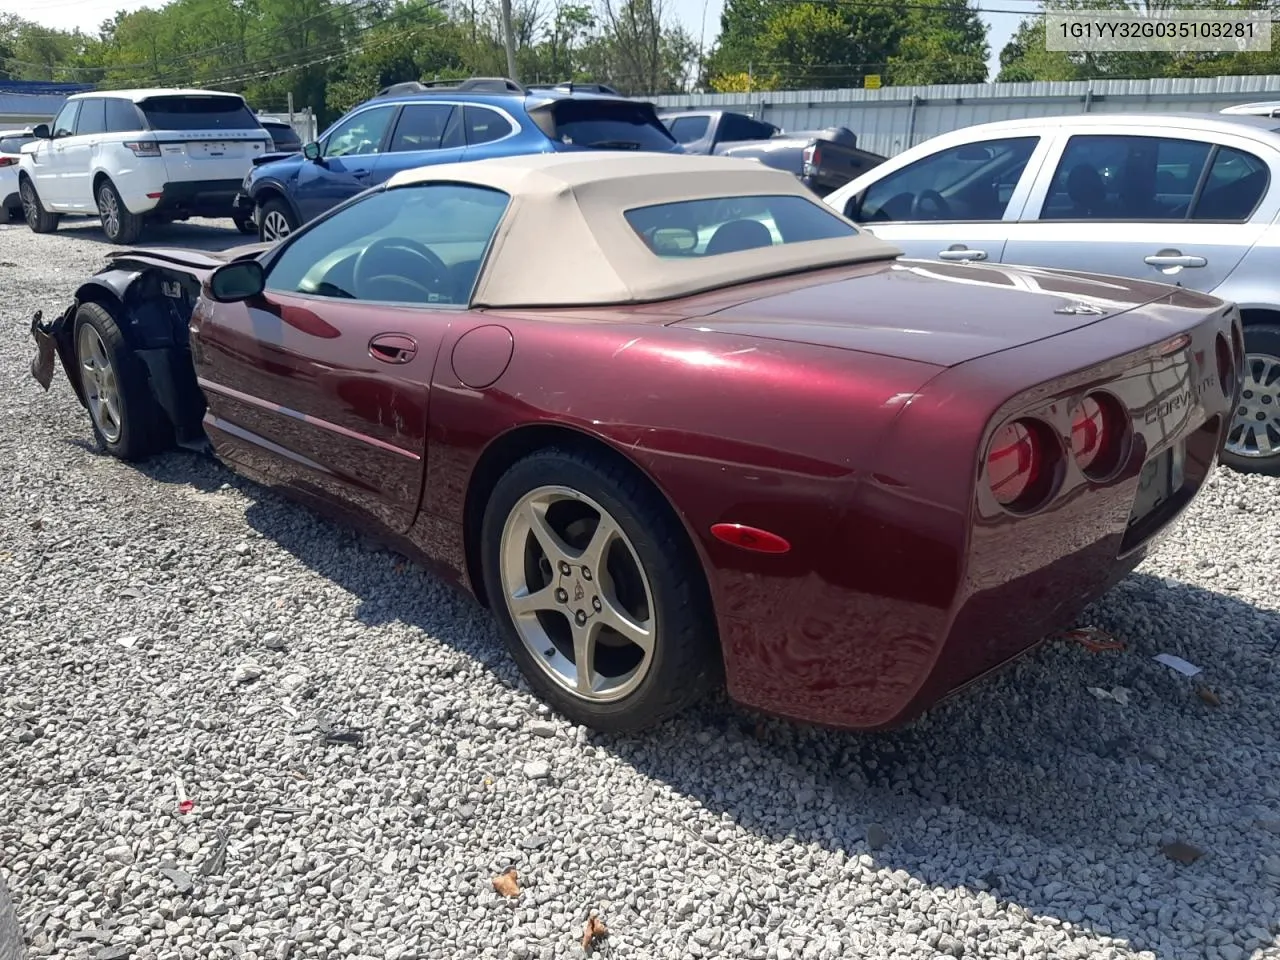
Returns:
point(237, 281)
point(41, 132)
point(853, 207)
point(311, 151)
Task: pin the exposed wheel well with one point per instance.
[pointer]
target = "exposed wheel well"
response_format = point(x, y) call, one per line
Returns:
point(514, 446)
point(97, 181)
point(1251, 315)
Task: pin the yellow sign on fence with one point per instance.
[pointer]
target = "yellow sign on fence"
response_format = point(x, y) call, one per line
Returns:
point(871, 81)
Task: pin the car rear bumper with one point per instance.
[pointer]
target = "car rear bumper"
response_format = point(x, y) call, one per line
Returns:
point(935, 586)
point(193, 198)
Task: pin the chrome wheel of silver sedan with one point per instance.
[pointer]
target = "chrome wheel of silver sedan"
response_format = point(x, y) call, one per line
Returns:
point(577, 593)
point(101, 389)
point(1255, 429)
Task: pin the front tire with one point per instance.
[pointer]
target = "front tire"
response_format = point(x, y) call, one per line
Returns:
point(598, 593)
point(120, 226)
point(38, 218)
point(1253, 443)
point(275, 221)
point(127, 421)
point(247, 227)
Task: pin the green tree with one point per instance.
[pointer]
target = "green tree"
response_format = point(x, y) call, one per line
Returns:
point(830, 45)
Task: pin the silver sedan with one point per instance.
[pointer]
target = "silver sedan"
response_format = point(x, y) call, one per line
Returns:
point(1187, 199)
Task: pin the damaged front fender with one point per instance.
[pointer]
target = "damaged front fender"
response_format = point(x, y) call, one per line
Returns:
point(54, 338)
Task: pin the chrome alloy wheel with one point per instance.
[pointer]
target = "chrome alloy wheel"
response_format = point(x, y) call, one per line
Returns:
point(109, 210)
point(275, 226)
point(1255, 429)
point(30, 205)
point(577, 593)
point(99, 380)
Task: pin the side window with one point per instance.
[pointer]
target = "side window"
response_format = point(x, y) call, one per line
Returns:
point(421, 127)
point(122, 116)
point(971, 182)
point(93, 117)
point(689, 129)
point(1236, 184)
point(360, 134)
point(736, 127)
point(64, 125)
point(484, 126)
point(1125, 178)
point(419, 244)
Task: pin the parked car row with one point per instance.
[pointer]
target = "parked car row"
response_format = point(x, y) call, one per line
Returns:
point(1191, 200)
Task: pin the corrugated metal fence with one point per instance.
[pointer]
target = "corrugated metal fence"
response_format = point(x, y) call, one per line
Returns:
point(889, 120)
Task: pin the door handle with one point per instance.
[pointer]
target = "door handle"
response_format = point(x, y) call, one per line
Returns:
point(360, 174)
point(961, 253)
point(393, 348)
point(1174, 259)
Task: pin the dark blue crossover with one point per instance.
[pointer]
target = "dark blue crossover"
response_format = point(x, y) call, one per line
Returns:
point(416, 124)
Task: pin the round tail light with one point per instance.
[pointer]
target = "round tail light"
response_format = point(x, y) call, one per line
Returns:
point(1098, 430)
point(1018, 467)
point(1226, 367)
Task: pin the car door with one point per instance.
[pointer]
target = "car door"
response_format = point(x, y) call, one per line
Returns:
point(76, 161)
point(955, 203)
point(348, 155)
point(48, 160)
point(1179, 207)
point(321, 382)
point(418, 139)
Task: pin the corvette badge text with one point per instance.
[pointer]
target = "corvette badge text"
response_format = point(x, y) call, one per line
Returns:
point(1181, 401)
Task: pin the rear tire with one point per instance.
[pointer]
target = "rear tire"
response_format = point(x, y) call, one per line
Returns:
point(275, 220)
point(38, 218)
point(120, 226)
point(646, 578)
point(127, 421)
point(1253, 443)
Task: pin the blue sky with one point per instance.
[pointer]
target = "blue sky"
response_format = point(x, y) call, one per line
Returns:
point(694, 14)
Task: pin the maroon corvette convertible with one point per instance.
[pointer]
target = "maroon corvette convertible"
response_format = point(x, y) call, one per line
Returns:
point(673, 419)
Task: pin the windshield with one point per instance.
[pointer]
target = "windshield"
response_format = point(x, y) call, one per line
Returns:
point(710, 227)
point(198, 113)
point(14, 144)
point(608, 124)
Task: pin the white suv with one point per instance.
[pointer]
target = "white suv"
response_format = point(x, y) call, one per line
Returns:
point(11, 142)
point(134, 155)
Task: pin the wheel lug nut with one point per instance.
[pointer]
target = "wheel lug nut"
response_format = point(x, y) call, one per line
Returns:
point(581, 618)
point(595, 603)
point(564, 569)
point(562, 596)
point(586, 573)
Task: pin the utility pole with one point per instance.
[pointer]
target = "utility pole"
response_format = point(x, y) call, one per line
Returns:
point(509, 40)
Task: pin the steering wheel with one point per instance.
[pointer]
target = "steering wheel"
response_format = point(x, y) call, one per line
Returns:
point(941, 209)
point(401, 262)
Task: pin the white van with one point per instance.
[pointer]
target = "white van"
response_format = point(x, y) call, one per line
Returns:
point(137, 155)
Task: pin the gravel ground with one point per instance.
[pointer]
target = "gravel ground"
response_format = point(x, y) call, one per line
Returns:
point(361, 760)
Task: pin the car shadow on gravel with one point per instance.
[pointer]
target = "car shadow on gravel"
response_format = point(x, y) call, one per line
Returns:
point(213, 235)
point(1030, 786)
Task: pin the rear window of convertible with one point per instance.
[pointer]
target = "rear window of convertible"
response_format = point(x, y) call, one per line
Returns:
point(709, 227)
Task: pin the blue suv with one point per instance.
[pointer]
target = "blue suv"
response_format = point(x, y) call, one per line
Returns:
point(415, 124)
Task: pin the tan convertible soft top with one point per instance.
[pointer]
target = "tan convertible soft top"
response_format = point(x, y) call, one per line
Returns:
point(565, 242)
